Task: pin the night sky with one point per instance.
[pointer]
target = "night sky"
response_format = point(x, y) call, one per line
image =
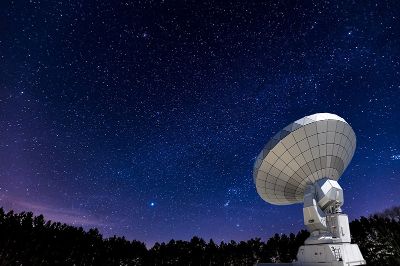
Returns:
point(144, 118)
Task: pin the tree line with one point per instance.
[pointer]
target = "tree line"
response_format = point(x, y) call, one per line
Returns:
point(26, 239)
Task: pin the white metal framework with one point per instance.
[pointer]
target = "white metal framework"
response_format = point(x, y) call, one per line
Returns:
point(309, 149)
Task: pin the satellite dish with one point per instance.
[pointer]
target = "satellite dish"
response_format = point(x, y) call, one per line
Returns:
point(302, 163)
point(310, 149)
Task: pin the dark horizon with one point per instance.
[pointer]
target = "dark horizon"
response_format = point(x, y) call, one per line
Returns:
point(144, 120)
point(391, 213)
point(31, 240)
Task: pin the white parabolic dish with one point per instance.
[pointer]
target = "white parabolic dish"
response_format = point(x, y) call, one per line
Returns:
point(311, 148)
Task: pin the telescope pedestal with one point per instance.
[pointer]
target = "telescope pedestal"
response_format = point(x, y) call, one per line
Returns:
point(331, 247)
point(339, 254)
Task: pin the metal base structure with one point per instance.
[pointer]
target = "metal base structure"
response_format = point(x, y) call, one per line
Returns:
point(329, 248)
point(338, 254)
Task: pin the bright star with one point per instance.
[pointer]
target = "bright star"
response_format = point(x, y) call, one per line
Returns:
point(152, 204)
point(395, 157)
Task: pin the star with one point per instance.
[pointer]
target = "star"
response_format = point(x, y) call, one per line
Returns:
point(395, 157)
point(226, 204)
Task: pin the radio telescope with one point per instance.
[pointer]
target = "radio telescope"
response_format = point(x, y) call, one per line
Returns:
point(302, 163)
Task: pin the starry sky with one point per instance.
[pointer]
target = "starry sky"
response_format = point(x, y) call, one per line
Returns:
point(144, 118)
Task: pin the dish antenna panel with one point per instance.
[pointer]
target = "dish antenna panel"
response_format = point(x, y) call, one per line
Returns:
point(302, 163)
